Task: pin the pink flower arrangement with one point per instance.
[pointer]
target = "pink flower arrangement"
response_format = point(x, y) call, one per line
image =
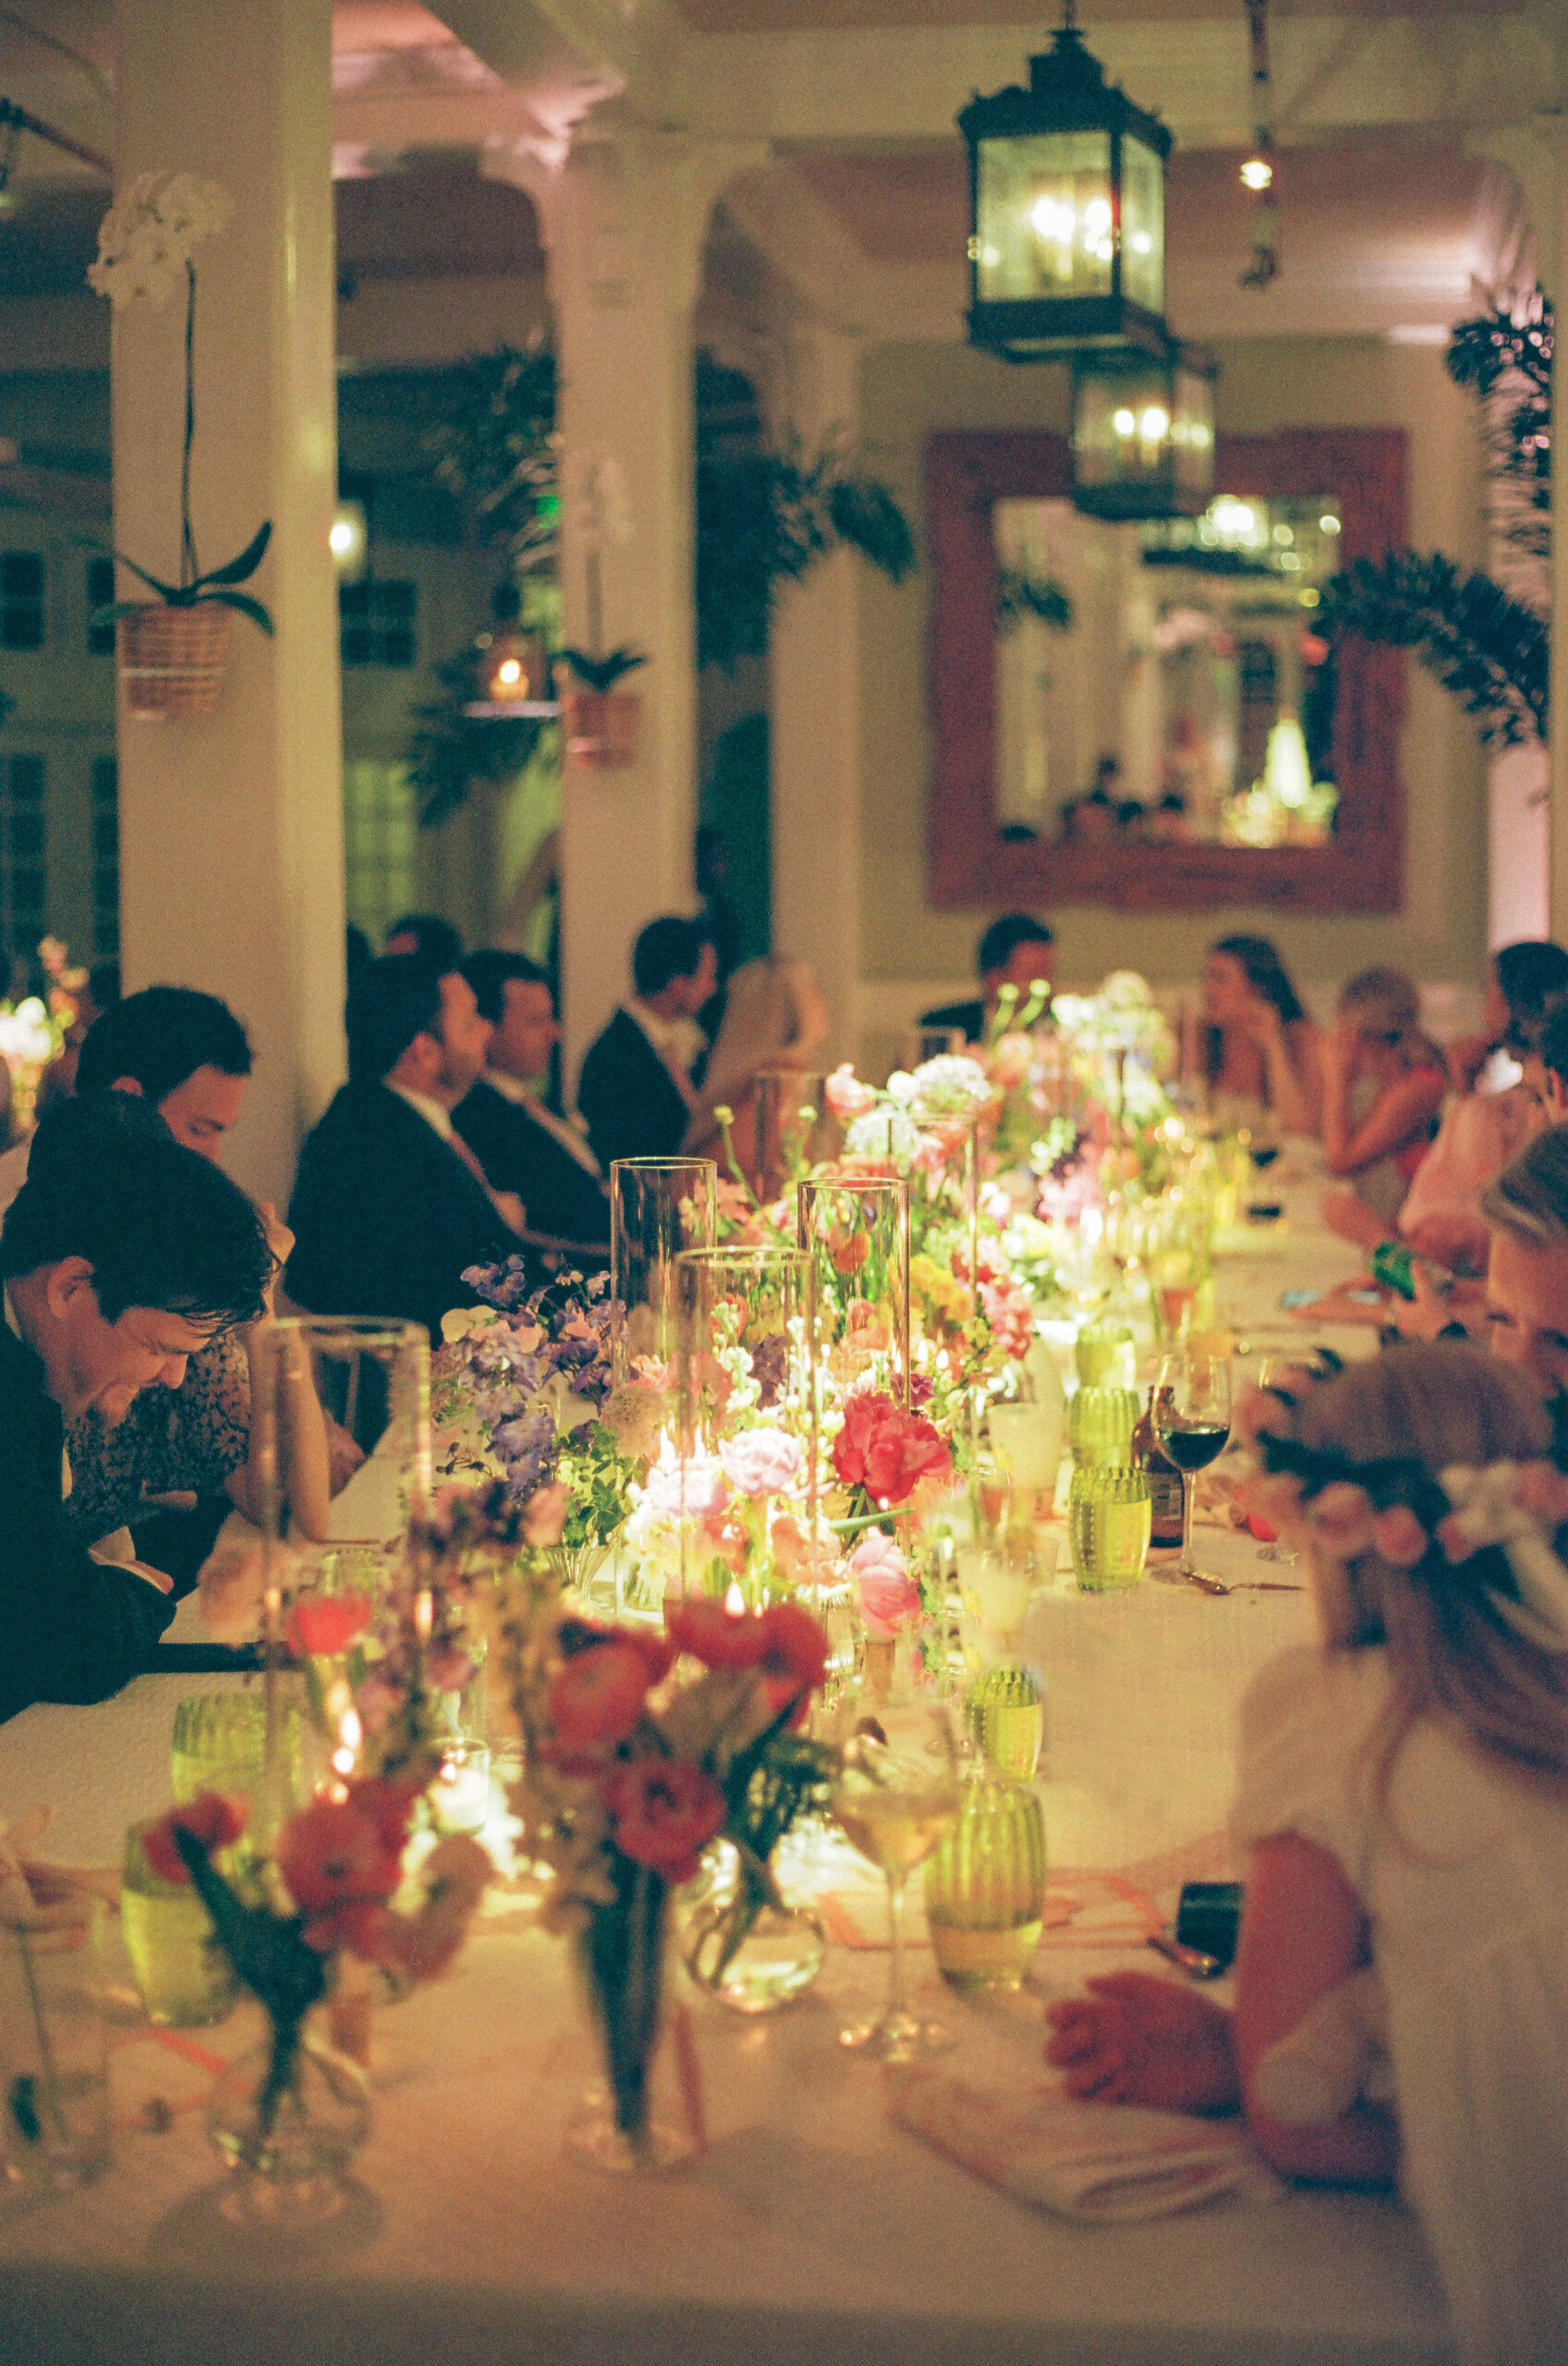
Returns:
point(763, 1461)
point(695, 1487)
point(889, 1597)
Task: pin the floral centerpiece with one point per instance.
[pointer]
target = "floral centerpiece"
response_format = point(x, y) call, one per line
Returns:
point(146, 251)
point(293, 2116)
point(640, 1748)
point(521, 1390)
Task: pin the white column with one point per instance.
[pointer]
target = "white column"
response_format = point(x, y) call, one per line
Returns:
point(231, 830)
point(1554, 255)
point(624, 224)
point(814, 710)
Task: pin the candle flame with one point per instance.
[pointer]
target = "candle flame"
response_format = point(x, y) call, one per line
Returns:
point(734, 1601)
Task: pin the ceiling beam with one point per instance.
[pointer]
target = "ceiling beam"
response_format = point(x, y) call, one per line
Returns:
point(1330, 74)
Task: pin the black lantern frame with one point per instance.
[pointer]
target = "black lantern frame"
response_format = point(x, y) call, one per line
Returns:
point(1066, 186)
point(1143, 433)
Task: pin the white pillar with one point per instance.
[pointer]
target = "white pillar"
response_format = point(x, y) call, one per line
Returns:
point(1556, 277)
point(231, 830)
point(623, 224)
point(814, 709)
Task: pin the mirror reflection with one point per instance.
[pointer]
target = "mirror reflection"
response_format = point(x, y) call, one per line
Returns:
point(1161, 682)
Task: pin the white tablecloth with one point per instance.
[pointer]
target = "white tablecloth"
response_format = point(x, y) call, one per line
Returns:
point(811, 2232)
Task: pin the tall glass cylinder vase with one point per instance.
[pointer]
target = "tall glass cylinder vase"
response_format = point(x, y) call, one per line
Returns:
point(796, 1131)
point(658, 1208)
point(744, 1417)
point(368, 1381)
point(856, 1232)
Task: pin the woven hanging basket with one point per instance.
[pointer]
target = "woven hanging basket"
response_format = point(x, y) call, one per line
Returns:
point(601, 727)
point(172, 660)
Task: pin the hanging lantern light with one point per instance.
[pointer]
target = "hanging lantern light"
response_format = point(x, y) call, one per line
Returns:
point(1067, 213)
point(1143, 433)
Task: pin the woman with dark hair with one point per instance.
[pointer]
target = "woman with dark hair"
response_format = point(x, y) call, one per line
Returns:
point(1524, 981)
point(1262, 1052)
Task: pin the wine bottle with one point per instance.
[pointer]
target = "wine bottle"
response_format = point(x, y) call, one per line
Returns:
point(1166, 1482)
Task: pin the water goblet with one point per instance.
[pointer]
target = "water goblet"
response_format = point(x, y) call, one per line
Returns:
point(895, 1798)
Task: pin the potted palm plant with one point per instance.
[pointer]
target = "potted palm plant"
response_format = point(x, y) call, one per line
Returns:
point(174, 646)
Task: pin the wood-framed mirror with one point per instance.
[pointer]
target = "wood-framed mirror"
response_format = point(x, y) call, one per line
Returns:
point(1141, 715)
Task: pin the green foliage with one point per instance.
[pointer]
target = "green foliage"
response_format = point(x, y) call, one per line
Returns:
point(1495, 354)
point(213, 589)
point(602, 673)
point(495, 450)
point(1019, 594)
point(763, 520)
point(1489, 650)
point(450, 749)
point(1487, 646)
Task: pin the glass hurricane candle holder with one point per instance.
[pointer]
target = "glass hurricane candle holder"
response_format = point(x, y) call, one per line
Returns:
point(659, 1208)
point(856, 1232)
point(744, 1415)
point(370, 1379)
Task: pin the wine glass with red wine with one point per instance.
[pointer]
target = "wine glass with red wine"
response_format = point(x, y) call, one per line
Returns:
point(1192, 1420)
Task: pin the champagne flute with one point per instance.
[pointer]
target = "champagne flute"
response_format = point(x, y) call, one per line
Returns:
point(895, 1798)
point(1192, 1420)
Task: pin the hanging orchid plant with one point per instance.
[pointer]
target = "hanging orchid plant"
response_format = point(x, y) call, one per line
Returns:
point(146, 248)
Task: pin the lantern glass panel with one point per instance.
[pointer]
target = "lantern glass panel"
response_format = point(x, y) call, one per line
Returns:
point(1122, 427)
point(1192, 433)
point(1143, 226)
point(1045, 216)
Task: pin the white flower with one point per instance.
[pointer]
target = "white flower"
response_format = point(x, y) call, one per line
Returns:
point(150, 235)
point(26, 1035)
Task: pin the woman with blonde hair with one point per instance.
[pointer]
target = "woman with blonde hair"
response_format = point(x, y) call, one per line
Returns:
point(1403, 1786)
point(775, 1016)
point(1383, 1086)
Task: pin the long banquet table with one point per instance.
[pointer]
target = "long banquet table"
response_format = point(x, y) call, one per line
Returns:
point(811, 2228)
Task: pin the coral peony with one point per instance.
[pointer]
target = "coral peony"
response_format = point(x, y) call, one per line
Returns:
point(762, 1461)
point(326, 1623)
point(212, 1819)
point(332, 1854)
point(889, 1597)
point(795, 1652)
point(886, 1451)
point(717, 1637)
point(598, 1696)
point(663, 1813)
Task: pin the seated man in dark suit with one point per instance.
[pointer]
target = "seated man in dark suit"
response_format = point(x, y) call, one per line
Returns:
point(390, 1204)
point(123, 1255)
point(522, 1145)
point(634, 1091)
point(1015, 951)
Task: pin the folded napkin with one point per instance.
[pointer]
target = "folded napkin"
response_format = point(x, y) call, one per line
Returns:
point(1100, 2164)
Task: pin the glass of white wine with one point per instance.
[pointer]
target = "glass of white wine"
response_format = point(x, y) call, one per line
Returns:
point(895, 1798)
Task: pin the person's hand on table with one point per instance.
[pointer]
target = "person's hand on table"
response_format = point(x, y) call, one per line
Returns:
point(230, 1588)
point(1138, 2039)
